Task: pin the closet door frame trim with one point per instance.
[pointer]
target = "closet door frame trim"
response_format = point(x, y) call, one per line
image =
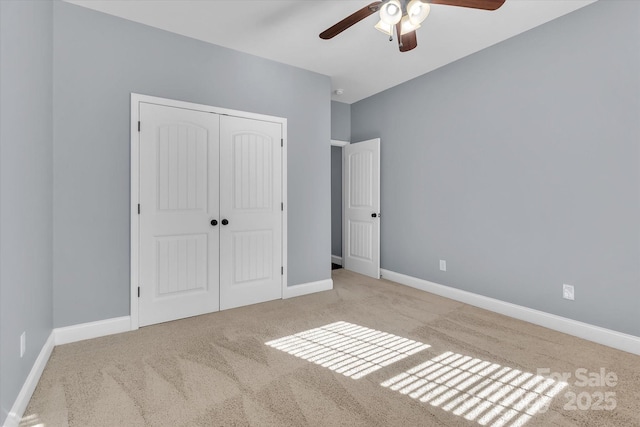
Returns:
point(136, 99)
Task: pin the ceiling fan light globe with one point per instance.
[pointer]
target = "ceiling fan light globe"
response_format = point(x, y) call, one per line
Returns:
point(418, 10)
point(391, 12)
point(385, 28)
point(407, 26)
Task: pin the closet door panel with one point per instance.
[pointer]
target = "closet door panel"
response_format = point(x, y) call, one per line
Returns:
point(179, 196)
point(250, 203)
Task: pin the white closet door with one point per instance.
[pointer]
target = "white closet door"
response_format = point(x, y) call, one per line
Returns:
point(361, 192)
point(179, 198)
point(250, 201)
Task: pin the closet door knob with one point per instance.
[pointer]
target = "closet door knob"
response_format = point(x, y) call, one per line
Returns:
point(225, 222)
point(214, 222)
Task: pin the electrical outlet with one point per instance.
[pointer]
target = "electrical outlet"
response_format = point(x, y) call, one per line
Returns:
point(23, 343)
point(443, 265)
point(568, 292)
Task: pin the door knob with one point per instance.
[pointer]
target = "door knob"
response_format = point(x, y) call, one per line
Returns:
point(225, 222)
point(374, 215)
point(214, 222)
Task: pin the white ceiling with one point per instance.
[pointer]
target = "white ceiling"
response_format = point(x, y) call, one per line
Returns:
point(361, 60)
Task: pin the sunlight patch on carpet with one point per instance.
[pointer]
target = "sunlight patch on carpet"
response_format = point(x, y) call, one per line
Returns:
point(349, 349)
point(481, 391)
point(32, 420)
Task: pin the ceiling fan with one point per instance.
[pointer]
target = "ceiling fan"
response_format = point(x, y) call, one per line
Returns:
point(403, 17)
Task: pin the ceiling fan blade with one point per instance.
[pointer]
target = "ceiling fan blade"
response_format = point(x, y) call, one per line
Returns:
point(350, 20)
point(474, 4)
point(408, 41)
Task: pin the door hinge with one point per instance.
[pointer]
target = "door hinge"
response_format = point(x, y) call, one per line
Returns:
point(138, 291)
point(138, 208)
point(282, 206)
point(281, 142)
point(138, 125)
point(282, 271)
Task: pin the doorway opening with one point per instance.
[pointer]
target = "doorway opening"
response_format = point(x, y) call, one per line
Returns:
point(336, 203)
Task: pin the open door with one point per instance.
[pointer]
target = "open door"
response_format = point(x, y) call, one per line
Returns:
point(361, 216)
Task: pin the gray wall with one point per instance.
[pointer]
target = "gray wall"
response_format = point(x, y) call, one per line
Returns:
point(519, 165)
point(340, 130)
point(99, 60)
point(340, 121)
point(25, 189)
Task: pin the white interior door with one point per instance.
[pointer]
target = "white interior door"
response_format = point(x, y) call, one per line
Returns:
point(251, 211)
point(361, 192)
point(179, 185)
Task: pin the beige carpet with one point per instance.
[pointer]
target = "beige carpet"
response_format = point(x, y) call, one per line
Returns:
point(368, 353)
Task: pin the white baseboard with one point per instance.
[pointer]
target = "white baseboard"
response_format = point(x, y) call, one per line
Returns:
point(60, 336)
point(86, 331)
point(307, 288)
point(608, 337)
point(20, 405)
point(336, 259)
